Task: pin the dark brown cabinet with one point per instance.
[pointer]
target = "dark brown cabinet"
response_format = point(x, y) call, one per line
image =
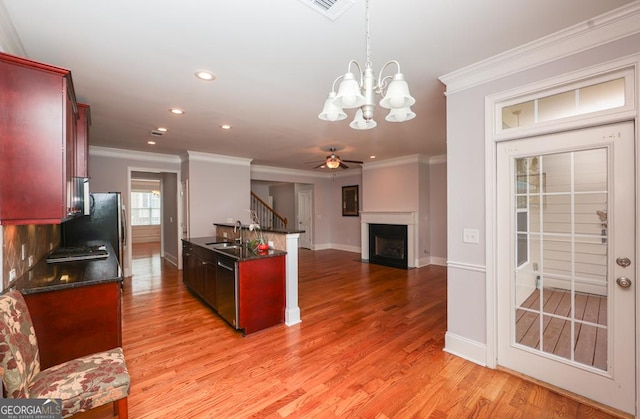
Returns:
point(38, 174)
point(199, 272)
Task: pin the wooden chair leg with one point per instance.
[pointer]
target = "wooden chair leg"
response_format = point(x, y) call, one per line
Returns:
point(121, 408)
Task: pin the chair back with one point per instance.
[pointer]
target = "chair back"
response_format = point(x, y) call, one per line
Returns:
point(19, 357)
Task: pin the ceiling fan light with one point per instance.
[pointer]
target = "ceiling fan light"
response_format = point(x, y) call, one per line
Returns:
point(349, 94)
point(333, 163)
point(398, 95)
point(400, 115)
point(331, 112)
point(360, 123)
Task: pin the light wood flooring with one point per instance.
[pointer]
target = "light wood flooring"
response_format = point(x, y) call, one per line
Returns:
point(370, 345)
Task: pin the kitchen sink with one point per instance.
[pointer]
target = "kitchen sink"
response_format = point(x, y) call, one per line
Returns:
point(223, 245)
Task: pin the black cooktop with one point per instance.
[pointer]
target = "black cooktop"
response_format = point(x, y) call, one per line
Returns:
point(67, 254)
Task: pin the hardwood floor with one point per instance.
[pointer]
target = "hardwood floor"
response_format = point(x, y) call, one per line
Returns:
point(369, 346)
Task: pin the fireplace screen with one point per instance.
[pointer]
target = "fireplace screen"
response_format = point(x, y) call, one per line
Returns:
point(388, 245)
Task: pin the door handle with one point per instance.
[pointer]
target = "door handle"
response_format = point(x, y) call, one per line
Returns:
point(623, 282)
point(624, 262)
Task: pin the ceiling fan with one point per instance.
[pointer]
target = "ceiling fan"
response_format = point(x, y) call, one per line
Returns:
point(333, 161)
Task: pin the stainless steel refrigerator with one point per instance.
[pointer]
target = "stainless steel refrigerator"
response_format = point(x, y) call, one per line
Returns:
point(105, 222)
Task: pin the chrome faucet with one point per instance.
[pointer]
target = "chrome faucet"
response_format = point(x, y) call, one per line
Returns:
point(237, 228)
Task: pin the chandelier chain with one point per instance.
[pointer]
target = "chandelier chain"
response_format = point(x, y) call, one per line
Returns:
point(368, 63)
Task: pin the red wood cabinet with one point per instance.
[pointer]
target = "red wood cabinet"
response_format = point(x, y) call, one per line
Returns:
point(261, 293)
point(38, 143)
point(74, 322)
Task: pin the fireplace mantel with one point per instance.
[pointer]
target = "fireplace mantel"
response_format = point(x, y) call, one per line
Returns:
point(408, 218)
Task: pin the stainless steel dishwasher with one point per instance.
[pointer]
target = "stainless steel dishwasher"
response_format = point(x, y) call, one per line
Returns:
point(227, 290)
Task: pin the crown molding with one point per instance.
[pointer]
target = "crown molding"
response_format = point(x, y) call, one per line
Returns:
point(9, 40)
point(271, 170)
point(215, 158)
point(438, 159)
point(608, 27)
point(398, 161)
point(119, 153)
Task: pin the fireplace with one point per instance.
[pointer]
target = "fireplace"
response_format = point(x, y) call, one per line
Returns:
point(388, 245)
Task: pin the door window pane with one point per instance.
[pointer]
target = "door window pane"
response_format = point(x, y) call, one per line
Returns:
point(561, 284)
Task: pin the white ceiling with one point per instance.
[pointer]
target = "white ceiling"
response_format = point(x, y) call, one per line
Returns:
point(275, 63)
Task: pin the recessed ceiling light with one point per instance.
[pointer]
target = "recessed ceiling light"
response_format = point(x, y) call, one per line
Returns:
point(205, 75)
point(372, 157)
point(162, 129)
point(176, 111)
point(225, 126)
point(151, 142)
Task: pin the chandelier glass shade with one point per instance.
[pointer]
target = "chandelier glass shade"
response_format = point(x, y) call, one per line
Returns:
point(360, 94)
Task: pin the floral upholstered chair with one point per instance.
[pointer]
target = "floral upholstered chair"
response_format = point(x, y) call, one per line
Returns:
point(82, 383)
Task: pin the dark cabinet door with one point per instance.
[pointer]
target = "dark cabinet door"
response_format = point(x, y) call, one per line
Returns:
point(209, 268)
point(188, 265)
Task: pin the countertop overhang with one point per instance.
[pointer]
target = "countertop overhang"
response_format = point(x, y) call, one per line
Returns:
point(240, 253)
point(264, 230)
point(44, 277)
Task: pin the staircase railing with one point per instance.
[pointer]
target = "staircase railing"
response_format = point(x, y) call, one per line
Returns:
point(267, 217)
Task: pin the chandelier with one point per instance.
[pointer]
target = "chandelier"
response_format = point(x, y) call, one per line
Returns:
point(360, 94)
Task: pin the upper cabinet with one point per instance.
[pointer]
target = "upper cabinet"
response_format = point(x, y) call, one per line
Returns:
point(41, 169)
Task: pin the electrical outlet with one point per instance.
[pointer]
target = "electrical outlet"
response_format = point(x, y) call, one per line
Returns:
point(24, 251)
point(12, 275)
point(224, 234)
point(30, 260)
point(270, 243)
point(471, 235)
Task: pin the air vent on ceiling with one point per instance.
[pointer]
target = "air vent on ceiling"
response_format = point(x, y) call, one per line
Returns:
point(329, 8)
point(156, 133)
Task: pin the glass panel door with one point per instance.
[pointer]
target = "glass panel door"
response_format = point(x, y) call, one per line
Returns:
point(565, 229)
point(561, 252)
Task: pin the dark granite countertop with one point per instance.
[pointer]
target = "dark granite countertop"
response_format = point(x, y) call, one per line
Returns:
point(44, 277)
point(265, 230)
point(239, 253)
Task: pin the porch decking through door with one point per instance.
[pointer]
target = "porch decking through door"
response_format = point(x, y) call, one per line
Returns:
point(590, 341)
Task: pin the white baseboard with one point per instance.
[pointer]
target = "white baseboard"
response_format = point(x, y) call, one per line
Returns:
point(346, 248)
point(465, 348)
point(173, 259)
point(438, 261)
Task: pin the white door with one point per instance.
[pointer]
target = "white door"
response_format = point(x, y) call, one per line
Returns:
point(566, 285)
point(304, 218)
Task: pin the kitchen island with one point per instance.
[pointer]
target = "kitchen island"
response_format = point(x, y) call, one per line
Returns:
point(75, 306)
point(282, 238)
point(244, 287)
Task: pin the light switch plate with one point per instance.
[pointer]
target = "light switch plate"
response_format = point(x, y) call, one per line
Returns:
point(471, 235)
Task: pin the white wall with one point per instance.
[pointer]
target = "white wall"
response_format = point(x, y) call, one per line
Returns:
point(219, 191)
point(411, 184)
point(467, 281)
point(438, 211)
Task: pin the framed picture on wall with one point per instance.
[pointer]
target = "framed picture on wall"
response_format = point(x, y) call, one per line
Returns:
point(350, 201)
